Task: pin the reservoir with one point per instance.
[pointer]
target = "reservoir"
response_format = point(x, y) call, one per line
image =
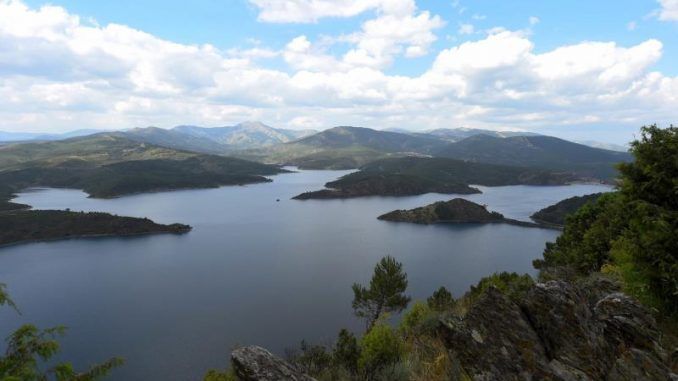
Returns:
point(254, 270)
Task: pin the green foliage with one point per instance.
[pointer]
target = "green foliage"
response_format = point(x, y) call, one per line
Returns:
point(346, 351)
point(379, 348)
point(310, 358)
point(29, 347)
point(441, 300)
point(631, 233)
point(385, 293)
point(414, 319)
point(511, 284)
point(588, 236)
point(5, 300)
point(217, 375)
point(653, 175)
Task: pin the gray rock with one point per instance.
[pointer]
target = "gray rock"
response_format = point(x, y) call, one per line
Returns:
point(558, 331)
point(257, 364)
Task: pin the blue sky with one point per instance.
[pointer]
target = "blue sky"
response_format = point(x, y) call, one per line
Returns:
point(577, 69)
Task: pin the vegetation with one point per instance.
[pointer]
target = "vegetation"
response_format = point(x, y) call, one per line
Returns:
point(417, 175)
point(441, 300)
point(632, 233)
point(556, 213)
point(385, 293)
point(30, 348)
point(42, 225)
point(540, 152)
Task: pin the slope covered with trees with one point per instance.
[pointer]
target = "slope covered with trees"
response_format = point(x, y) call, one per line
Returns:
point(537, 151)
point(416, 175)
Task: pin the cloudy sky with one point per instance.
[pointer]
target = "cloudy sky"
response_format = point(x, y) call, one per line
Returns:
point(576, 69)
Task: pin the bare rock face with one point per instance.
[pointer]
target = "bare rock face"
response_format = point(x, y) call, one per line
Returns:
point(257, 364)
point(557, 331)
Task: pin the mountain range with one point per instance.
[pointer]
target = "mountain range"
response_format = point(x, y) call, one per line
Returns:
point(344, 147)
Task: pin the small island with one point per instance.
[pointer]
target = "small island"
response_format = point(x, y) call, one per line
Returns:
point(455, 211)
point(22, 226)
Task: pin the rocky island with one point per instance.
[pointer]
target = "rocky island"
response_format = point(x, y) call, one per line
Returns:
point(408, 176)
point(456, 210)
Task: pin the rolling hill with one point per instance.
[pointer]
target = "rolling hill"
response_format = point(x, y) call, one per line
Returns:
point(417, 175)
point(347, 147)
point(537, 151)
point(108, 165)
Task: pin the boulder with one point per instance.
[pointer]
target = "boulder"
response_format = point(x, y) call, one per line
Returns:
point(254, 363)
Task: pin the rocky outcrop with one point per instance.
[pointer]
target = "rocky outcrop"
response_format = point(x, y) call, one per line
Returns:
point(257, 364)
point(557, 331)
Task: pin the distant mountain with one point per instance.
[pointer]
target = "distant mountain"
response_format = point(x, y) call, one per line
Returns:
point(28, 136)
point(456, 134)
point(348, 147)
point(607, 146)
point(537, 151)
point(244, 135)
point(173, 139)
point(345, 137)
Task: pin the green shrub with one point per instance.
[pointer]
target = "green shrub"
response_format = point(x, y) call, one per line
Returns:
point(511, 284)
point(346, 351)
point(379, 348)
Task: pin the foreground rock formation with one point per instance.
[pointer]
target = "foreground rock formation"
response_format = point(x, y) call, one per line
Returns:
point(257, 364)
point(558, 331)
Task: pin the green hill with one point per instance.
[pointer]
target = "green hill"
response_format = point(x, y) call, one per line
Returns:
point(346, 148)
point(537, 151)
point(108, 165)
point(416, 175)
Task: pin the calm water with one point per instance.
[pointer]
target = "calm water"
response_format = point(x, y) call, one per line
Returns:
point(253, 270)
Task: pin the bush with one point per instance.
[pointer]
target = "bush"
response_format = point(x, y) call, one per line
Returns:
point(346, 351)
point(415, 319)
point(379, 348)
point(511, 284)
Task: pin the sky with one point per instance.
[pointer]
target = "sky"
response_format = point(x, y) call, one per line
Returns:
point(594, 70)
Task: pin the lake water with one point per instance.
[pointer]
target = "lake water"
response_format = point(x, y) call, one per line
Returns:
point(252, 271)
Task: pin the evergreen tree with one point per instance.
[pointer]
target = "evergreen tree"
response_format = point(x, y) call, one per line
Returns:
point(385, 293)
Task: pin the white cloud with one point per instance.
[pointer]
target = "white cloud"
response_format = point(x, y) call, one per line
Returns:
point(466, 29)
point(307, 11)
point(631, 26)
point(669, 10)
point(59, 72)
point(534, 20)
